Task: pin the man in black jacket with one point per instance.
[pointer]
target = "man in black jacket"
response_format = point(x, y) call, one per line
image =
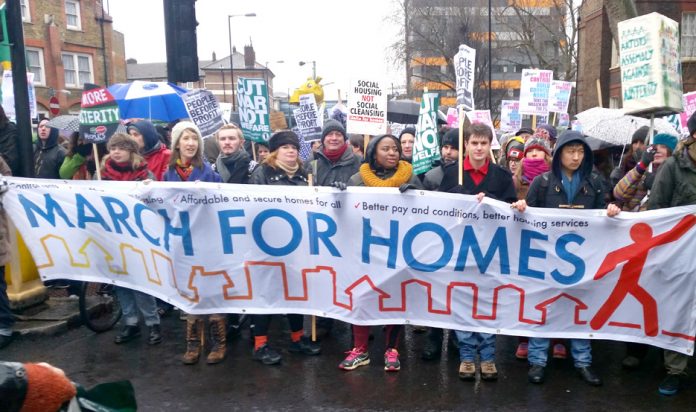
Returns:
point(570, 184)
point(48, 154)
point(334, 163)
point(481, 178)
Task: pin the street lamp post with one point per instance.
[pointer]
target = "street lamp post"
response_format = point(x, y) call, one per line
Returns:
point(314, 68)
point(229, 33)
point(224, 92)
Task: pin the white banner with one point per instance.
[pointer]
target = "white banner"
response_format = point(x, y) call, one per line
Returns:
point(367, 107)
point(464, 65)
point(8, 102)
point(510, 118)
point(559, 96)
point(372, 256)
point(534, 92)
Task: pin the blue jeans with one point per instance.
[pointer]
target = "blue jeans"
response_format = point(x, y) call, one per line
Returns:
point(580, 349)
point(471, 342)
point(131, 301)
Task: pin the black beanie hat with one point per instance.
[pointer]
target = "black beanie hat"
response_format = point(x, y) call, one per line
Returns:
point(640, 135)
point(333, 125)
point(451, 137)
point(410, 130)
point(283, 138)
point(691, 124)
point(372, 148)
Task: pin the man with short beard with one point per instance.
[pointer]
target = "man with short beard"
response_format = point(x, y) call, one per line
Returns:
point(233, 161)
point(449, 154)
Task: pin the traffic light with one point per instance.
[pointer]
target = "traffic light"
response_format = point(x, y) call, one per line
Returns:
point(182, 46)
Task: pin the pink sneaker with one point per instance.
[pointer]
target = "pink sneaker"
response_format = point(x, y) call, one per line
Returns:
point(356, 357)
point(391, 360)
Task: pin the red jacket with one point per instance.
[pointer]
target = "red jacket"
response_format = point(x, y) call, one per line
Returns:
point(158, 161)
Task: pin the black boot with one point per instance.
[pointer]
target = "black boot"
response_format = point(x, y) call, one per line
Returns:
point(128, 333)
point(589, 376)
point(155, 335)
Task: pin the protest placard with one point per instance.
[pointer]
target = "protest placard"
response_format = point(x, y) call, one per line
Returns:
point(278, 121)
point(510, 118)
point(563, 120)
point(534, 92)
point(371, 257)
point(650, 65)
point(484, 116)
point(367, 107)
point(559, 96)
point(254, 109)
point(307, 117)
point(99, 114)
point(464, 65)
point(426, 149)
point(8, 103)
point(452, 117)
point(203, 110)
point(689, 102)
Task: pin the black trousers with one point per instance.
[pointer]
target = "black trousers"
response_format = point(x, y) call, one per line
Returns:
point(6, 317)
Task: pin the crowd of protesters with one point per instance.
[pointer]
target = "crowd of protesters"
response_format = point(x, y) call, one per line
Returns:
point(535, 167)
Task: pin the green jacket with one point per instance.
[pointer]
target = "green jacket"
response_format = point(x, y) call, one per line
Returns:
point(675, 183)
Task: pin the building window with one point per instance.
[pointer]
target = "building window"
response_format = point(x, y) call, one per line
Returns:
point(72, 15)
point(35, 64)
point(78, 69)
point(688, 35)
point(24, 5)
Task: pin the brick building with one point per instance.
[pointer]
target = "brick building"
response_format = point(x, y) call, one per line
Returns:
point(70, 43)
point(215, 74)
point(599, 75)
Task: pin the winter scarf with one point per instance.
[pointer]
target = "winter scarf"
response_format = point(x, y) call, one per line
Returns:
point(402, 175)
point(532, 168)
point(334, 155)
point(232, 168)
point(123, 171)
point(289, 169)
point(571, 187)
point(183, 170)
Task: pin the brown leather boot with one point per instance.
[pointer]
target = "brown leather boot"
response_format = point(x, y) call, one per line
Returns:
point(218, 337)
point(194, 340)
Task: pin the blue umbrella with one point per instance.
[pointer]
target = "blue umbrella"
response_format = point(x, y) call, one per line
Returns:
point(150, 100)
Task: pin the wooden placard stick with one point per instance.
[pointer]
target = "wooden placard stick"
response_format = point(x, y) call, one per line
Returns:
point(96, 160)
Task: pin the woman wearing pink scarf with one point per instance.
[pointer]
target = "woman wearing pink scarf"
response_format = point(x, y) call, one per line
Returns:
point(536, 160)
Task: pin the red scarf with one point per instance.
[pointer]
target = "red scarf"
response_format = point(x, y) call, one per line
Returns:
point(123, 171)
point(334, 155)
point(183, 170)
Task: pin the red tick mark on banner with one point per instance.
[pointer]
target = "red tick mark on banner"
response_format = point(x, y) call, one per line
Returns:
point(357, 205)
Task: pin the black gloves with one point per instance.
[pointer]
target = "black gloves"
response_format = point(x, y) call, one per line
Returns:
point(648, 155)
point(405, 187)
point(339, 185)
point(83, 149)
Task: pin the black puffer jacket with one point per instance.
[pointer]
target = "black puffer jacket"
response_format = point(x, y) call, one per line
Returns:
point(325, 172)
point(268, 175)
point(547, 190)
point(48, 157)
point(8, 147)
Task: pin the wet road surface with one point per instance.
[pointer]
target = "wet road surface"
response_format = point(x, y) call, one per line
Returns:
point(162, 383)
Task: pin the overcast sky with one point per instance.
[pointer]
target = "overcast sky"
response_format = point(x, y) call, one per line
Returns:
point(345, 38)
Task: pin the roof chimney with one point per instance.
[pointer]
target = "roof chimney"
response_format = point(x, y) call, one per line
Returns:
point(214, 57)
point(249, 57)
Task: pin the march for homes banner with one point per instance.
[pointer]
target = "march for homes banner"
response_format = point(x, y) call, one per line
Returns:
point(371, 256)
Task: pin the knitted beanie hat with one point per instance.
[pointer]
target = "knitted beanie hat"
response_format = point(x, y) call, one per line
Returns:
point(178, 130)
point(331, 126)
point(47, 388)
point(537, 143)
point(451, 137)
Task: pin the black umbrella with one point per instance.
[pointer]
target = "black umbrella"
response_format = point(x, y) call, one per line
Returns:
point(406, 112)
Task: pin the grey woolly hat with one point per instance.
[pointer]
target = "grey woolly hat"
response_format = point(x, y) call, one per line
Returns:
point(333, 125)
